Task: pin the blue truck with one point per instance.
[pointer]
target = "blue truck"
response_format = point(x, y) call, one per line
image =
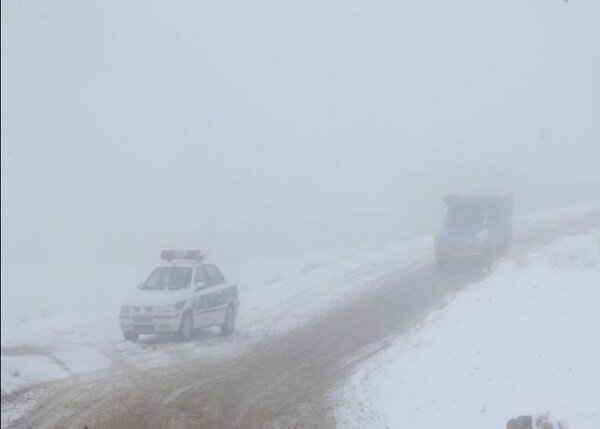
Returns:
point(478, 229)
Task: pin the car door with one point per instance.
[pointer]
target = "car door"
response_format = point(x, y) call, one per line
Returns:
point(202, 298)
point(218, 297)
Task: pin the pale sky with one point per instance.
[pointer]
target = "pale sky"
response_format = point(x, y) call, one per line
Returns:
point(281, 105)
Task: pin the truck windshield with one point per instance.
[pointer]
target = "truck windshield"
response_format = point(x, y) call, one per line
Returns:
point(460, 217)
point(169, 278)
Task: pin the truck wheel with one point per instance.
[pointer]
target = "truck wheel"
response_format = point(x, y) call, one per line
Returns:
point(228, 326)
point(186, 328)
point(131, 336)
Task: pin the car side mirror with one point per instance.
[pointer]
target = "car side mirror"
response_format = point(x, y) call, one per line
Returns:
point(200, 286)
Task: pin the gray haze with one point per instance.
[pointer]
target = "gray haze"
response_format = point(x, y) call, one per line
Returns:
point(271, 129)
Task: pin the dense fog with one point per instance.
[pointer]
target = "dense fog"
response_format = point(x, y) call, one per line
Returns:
point(263, 131)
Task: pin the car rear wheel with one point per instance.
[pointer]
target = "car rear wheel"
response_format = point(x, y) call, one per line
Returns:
point(131, 336)
point(186, 329)
point(228, 326)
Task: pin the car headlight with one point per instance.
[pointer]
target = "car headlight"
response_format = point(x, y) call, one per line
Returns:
point(125, 309)
point(164, 309)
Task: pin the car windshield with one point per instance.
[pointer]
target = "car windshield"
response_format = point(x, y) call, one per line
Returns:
point(169, 278)
point(461, 217)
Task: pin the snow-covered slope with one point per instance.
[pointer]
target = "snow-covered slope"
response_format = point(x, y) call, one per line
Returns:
point(524, 341)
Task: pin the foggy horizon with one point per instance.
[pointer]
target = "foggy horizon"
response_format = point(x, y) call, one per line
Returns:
point(127, 128)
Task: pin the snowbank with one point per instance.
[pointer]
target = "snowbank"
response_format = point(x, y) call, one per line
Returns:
point(524, 341)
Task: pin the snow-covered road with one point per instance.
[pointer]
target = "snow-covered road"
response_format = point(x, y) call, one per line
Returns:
point(53, 348)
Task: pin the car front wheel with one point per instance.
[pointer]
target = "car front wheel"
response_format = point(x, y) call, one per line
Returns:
point(186, 329)
point(228, 326)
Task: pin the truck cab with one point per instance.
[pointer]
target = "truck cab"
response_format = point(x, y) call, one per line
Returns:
point(477, 228)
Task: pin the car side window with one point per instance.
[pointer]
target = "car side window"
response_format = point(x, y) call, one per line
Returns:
point(214, 275)
point(201, 276)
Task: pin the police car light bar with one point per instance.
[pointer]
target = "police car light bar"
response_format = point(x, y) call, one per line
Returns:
point(170, 255)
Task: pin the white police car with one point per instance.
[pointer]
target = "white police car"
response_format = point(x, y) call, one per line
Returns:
point(181, 295)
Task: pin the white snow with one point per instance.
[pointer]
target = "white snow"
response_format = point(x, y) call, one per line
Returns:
point(287, 304)
point(538, 221)
point(525, 341)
